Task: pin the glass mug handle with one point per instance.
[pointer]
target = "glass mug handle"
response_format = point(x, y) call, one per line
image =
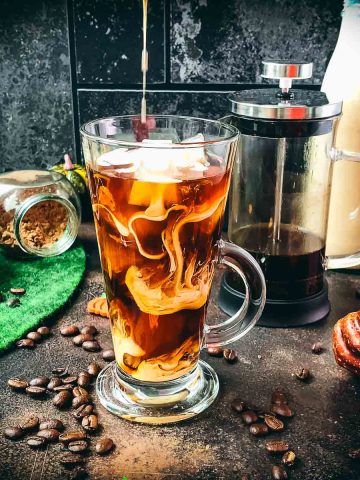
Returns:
point(353, 260)
point(249, 313)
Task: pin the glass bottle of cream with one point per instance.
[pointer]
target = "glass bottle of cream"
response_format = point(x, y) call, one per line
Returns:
point(342, 82)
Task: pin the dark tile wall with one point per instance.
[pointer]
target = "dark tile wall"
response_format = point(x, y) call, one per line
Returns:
point(95, 104)
point(89, 51)
point(224, 42)
point(36, 123)
point(108, 41)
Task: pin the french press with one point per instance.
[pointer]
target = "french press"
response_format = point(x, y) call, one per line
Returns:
point(279, 197)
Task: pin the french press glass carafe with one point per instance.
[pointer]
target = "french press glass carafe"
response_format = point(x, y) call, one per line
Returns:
point(279, 198)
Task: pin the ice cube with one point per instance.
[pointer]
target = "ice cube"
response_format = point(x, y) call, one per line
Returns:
point(123, 160)
point(194, 155)
point(118, 157)
point(159, 161)
point(199, 137)
point(166, 159)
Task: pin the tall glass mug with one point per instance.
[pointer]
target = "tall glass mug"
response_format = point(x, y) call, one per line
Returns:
point(158, 193)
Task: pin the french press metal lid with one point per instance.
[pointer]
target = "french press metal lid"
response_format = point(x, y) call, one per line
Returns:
point(285, 103)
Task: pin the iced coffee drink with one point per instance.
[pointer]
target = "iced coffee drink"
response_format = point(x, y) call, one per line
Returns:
point(158, 216)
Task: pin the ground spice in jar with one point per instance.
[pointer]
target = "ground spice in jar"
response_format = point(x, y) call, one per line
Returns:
point(7, 236)
point(39, 213)
point(44, 224)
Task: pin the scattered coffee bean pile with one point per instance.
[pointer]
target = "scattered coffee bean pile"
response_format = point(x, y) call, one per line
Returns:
point(33, 338)
point(228, 354)
point(85, 338)
point(262, 423)
point(68, 390)
point(12, 302)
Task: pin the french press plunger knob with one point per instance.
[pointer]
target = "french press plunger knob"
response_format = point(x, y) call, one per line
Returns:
point(286, 72)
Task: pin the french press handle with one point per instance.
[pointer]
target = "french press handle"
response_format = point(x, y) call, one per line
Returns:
point(286, 72)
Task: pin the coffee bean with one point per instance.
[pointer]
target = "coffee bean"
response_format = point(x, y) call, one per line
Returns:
point(60, 371)
point(249, 417)
point(78, 473)
point(92, 346)
point(62, 399)
point(44, 331)
point(80, 339)
point(72, 436)
point(94, 369)
point(83, 411)
point(274, 423)
point(78, 446)
point(17, 384)
point(89, 330)
point(13, 302)
point(62, 388)
point(259, 429)
point(68, 459)
point(104, 445)
point(317, 348)
point(52, 423)
point(72, 379)
point(25, 343)
point(238, 405)
point(90, 423)
point(40, 381)
point(83, 379)
point(108, 355)
point(276, 446)
point(230, 355)
point(303, 374)
point(278, 473)
point(278, 398)
point(289, 458)
point(30, 423)
point(18, 291)
point(36, 392)
point(34, 336)
point(50, 434)
point(54, 382)
point(215, 351)
point(13, 433)
point(81, 400)
point(283, 410)
point(69, 331)
point(79, 391)
point(36, 442)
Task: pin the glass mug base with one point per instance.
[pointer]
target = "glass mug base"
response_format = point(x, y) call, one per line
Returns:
point(157, 403)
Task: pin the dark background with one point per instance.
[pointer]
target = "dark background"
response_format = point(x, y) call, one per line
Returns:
point(63, 62)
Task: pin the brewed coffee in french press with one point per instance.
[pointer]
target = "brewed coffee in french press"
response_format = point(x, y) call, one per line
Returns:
point(279, 198)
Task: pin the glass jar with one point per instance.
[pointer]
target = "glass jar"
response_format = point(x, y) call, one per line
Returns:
point(39, 213)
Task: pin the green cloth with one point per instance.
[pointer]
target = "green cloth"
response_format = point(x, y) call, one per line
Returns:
point(49, 283)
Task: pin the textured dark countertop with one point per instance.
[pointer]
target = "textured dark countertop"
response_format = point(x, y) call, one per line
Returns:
point(216, 445)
